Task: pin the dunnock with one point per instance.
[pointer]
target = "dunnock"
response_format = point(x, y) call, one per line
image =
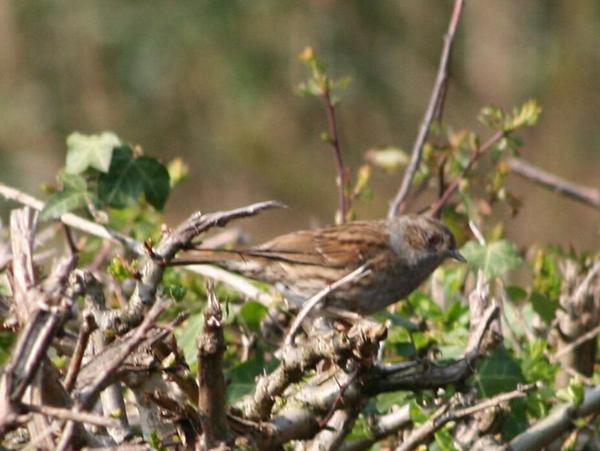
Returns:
point(401, 253)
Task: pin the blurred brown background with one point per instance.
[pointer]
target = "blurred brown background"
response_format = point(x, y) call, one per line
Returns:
point(214, 81)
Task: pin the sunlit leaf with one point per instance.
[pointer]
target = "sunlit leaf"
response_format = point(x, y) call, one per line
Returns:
point(94, 151)
point(178, 171)
point(74, 195)
point(495, 258)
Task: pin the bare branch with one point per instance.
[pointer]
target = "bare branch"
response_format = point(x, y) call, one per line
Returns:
point(434, 107)
point(586, 195)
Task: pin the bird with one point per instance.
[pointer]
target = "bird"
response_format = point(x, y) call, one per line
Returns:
point(400, 253)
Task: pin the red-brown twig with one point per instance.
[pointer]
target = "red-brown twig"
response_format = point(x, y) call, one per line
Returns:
point(433, 109)
point(436, 208)
point(334, 140)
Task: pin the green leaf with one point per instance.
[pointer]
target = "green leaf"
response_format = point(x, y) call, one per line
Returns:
point(416, 413)
point(444, 440)
point(156, 181)
point(252, 313)
point(424, 306)
point(74, 195)
point(243, 377)
point(573, 393)
point(526, 116)
point(186, 337)
point(120, 184)
point(499, 373)
point(535, 364)
point(495, 259)
point(178, 171)
point(94, 151)
point(385, 401)
point(516, 293)
point(543, 306)
point(129, 177)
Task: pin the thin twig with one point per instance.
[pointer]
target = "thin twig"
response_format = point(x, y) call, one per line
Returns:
point(309, 305)
point(575, 344)
point(434, 108)
point(71, 415)
point(584, 194)
point(334, 140)
point(453, 186)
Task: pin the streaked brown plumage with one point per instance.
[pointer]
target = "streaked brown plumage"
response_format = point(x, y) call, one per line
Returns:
point(401, 254)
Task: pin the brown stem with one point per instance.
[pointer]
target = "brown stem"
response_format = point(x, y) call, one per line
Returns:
point(434, 108)
point(334, 140)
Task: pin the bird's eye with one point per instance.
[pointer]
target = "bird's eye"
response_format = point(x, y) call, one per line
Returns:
point(434, 240)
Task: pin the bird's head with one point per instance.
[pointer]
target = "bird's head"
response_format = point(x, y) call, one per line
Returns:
point(422, 238)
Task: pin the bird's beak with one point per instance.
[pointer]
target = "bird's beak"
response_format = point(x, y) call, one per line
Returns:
point(457, 256)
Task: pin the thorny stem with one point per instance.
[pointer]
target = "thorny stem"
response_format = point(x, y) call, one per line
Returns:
point(433, 109)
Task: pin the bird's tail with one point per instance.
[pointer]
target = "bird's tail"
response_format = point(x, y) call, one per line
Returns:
point(229, 259)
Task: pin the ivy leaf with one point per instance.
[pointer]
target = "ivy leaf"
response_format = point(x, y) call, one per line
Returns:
point(129, 177)
point(94, 151)
point(495, 259)
point(498, 373)
point(156, 182)
point(74, 195)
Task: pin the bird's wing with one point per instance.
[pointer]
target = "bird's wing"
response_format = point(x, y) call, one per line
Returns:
point(347, 245)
